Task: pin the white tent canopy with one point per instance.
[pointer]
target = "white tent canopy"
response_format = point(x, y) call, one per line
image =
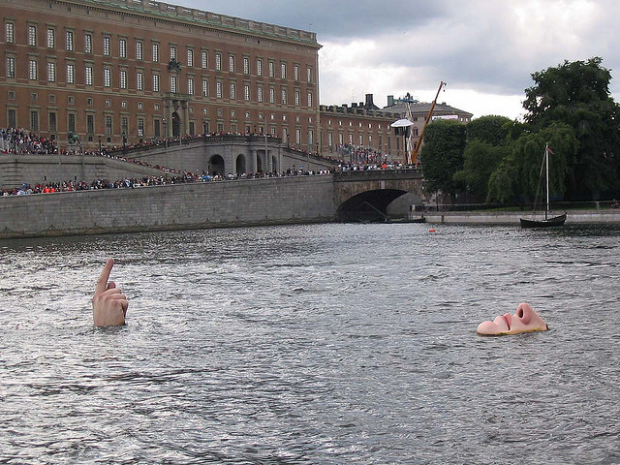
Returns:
point(401, 123)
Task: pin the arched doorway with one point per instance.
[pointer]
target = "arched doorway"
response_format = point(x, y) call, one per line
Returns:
point(176, 124)
point(260, 162)
point(240, 164)
point(217, 166)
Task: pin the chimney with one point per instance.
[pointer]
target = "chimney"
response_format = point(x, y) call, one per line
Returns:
point(369, 103)
point(390, 101)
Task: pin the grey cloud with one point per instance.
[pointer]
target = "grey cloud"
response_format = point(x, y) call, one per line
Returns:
point(482, 45)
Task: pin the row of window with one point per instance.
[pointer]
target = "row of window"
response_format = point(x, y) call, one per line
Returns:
point(351, 141)
point(220, 114)
point(69, 45)
point(123, 82)
point(90, 129)
point(140, 126)
point(90, 123)
point(34, 97)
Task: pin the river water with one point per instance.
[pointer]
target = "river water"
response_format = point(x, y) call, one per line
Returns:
point(315, 344)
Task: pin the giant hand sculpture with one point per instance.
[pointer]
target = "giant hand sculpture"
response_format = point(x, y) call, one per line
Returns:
point(109, 303)
point(525, 320)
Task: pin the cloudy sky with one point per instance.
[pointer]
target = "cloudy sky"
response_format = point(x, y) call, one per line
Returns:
point(486, 50)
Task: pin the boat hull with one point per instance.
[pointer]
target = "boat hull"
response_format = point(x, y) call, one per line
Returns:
point(546, 223)
point(419, 219)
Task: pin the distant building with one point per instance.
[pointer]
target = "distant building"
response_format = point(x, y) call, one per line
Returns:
point(348, 129)
point(420, 110)
point(368, 126)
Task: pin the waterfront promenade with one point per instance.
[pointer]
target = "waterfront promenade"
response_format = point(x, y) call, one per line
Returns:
point(601, 216)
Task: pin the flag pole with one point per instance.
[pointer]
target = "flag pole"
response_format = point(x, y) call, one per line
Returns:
point(547, 174)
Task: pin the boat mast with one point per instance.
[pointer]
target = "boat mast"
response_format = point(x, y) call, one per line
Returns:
point(547, 174)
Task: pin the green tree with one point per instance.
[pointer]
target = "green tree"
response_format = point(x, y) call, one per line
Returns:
point(481, 159)
point(490, 129)
point(577, 94)
point(501, 187)
point(486, 140)
point(442, 155)
point(519, 175)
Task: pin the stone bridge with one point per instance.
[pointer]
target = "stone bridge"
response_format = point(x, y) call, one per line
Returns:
point(373, 195)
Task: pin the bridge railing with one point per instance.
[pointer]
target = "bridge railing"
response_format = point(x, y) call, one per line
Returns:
point(368, 175)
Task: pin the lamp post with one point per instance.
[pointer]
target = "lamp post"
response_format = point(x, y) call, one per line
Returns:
point(266, 154)
point(165, 123)
point(181, 147)
point(308, 154)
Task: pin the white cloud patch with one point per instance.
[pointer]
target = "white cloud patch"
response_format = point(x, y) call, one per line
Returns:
point(485, 49)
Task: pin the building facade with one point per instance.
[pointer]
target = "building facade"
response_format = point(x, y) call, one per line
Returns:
point(363, 128)
point(133, 71)
point(358, 131)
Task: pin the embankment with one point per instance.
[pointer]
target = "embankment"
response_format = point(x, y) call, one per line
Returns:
point(574, 217)
point(307, 199)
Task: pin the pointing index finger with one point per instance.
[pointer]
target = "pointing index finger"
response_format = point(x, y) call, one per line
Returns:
point(102, 283)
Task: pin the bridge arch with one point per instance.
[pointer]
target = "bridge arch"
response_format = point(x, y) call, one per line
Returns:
point(275, 164)
point(176, 124)
point(217, 165)
point(259, 161)
point(370, 196)
point(240, 164)
point(369, 206)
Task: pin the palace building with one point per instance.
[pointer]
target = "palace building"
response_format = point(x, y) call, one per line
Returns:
point(130, 71)
point(122, 72)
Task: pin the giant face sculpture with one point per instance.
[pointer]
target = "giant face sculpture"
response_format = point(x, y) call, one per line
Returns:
point(523, 321)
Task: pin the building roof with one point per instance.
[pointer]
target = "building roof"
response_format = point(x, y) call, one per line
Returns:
point(424, 108)
point(167, 11)
point(398, 107)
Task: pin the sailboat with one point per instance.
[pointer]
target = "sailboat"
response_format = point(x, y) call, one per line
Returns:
point(548, 221)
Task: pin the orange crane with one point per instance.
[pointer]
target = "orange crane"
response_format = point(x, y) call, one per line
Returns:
point(418, 144)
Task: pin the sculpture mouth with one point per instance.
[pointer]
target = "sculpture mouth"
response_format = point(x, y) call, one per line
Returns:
point(507, 320)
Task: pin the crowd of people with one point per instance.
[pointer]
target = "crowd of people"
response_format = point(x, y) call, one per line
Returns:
point(147, 181)
point(22, 141)
point(361, 155)
point(180, 178)
point(98, 184)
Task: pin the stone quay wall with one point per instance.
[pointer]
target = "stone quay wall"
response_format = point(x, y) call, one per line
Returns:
point(254, 202)
point(510, 218)
point(33, 169)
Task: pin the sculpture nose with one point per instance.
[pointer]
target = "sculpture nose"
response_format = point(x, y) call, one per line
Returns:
point(524, 313)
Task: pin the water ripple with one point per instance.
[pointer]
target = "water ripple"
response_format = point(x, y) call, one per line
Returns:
point(313, 344)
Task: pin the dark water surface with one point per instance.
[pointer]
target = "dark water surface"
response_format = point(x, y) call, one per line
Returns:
point(323, 344)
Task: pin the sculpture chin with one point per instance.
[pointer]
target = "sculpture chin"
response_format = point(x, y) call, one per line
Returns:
point(488, 328)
